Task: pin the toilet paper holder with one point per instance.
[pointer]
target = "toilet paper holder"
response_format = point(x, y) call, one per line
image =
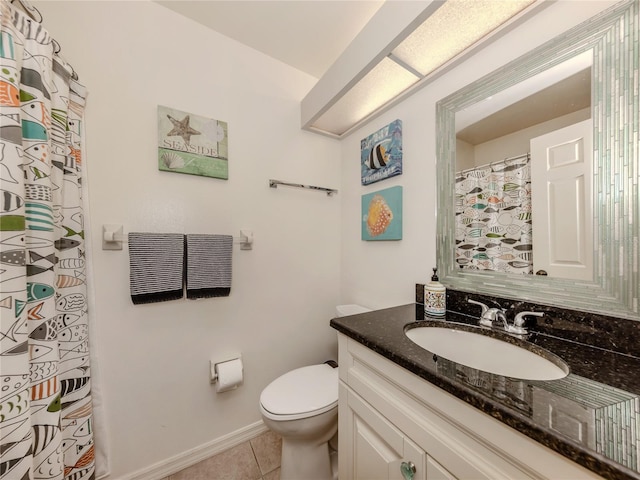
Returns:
point(213, 366)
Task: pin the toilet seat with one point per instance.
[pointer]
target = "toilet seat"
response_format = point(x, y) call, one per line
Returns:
point(301, 393)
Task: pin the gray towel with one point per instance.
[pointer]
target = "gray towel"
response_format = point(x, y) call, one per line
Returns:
point(156, 263)
point(209, 265)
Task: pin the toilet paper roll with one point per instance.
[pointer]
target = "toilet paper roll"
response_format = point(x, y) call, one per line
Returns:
point(229, 375)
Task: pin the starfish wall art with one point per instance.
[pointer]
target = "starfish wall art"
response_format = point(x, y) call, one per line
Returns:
point(192, 144)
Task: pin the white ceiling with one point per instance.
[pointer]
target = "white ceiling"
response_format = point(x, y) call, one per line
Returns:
point(306, 34)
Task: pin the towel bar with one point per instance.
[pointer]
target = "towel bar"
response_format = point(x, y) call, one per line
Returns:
point(328, 191)
point(113, 238)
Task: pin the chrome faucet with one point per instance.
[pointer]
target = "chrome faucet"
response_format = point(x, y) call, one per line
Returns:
point(496, 315)
point(490, 315)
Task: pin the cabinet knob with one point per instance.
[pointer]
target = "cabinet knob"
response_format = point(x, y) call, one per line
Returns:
point(408, 470)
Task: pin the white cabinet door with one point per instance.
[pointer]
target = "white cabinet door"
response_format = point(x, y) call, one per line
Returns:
point(379, 451)
point(562, 202)
point(435, 471)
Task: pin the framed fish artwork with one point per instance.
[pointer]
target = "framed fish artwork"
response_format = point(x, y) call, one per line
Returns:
point(382, 215)
point(192, 144)
point(381, 154)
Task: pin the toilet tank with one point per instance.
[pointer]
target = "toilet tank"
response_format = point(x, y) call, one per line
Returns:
point(350, 309)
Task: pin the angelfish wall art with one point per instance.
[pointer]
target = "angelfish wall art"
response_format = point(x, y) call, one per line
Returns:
point(192, 144)
point(382, 215)
point(381, 154)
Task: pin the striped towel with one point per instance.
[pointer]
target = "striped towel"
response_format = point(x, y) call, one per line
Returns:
point(156, 263)
point(209, 265)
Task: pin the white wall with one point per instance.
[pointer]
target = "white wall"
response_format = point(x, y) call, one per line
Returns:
point(154, 358)
point(383, 274)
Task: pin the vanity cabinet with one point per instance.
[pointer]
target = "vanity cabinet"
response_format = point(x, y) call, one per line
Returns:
point(380, 450)
point(390, 420)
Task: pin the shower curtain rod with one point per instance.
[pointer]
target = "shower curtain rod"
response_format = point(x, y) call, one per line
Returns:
point(35, 14)
point(515, 157)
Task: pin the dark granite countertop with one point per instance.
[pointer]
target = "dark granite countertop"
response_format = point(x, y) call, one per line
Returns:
point(603, 387)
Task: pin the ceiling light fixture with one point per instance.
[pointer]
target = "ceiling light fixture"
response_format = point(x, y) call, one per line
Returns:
point(403, 47)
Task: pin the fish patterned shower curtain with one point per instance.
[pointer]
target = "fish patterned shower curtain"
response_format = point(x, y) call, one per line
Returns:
point(45, 386)
point(493, 217)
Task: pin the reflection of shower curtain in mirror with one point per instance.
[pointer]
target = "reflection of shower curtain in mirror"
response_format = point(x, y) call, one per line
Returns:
point(493, 217)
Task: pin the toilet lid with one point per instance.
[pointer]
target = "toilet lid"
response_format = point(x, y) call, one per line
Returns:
point(303, 390)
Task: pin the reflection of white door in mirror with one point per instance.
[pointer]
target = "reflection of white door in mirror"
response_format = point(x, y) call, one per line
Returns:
point(562, 202)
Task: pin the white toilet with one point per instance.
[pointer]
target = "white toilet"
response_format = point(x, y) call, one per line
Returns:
point(302, 407)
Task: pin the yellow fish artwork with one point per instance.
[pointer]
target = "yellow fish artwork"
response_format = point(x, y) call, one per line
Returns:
point(379, 216)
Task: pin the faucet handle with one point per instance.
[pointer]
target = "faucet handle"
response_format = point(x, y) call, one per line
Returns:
point(519, 320)
point(518, 323)
point(484, 307)
point(483, 319)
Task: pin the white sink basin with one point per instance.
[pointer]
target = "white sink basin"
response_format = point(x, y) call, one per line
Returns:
point(488, 354)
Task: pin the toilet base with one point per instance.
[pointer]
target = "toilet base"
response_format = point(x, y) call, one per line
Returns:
point(333, 454)
point(305, 446)
point(305, 461)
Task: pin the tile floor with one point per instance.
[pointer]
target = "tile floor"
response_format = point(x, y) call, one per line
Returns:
point(257, 459)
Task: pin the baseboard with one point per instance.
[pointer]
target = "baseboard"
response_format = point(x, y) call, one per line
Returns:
point(186, 459)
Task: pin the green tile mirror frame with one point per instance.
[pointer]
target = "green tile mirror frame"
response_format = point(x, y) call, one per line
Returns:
point(612, 38)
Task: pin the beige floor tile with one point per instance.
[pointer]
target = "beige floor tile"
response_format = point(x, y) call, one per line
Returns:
point(237, 463)
point(275, 475)
point(268, 450)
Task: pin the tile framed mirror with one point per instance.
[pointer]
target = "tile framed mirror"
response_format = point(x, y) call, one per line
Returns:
point(605, 50)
